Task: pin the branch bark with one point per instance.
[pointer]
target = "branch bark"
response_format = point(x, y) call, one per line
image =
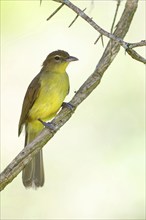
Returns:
point(112, 49)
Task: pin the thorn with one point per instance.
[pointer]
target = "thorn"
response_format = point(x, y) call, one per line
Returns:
point(75, 19)
point(102, 40)
point(97, 39)
point(55, 11)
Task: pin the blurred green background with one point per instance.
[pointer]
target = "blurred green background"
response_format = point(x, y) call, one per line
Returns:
point(95, 164)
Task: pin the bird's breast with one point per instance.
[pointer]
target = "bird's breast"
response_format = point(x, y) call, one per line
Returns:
point(53, 90)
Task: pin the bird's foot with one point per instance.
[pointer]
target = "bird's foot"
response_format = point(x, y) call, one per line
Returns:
point(47, 124)
point(68, 105)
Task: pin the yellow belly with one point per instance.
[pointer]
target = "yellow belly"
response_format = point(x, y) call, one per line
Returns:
point(53, 90)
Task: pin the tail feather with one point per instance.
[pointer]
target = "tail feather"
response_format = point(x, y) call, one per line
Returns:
point(33, 173)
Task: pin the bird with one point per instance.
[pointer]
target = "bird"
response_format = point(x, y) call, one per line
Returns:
point(44, 97)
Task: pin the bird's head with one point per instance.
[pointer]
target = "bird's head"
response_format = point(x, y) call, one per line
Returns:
point(58, 61)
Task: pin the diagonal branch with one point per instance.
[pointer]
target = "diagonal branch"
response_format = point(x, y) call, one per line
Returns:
point(26, 155)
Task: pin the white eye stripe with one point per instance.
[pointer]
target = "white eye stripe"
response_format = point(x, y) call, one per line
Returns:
point(57, 57)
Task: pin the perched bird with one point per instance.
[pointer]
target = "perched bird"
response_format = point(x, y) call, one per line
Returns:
point(42, 100)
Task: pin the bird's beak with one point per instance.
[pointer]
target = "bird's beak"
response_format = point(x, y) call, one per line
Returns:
point(71, 58)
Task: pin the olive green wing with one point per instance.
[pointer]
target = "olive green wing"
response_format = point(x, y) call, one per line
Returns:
point(29, 99)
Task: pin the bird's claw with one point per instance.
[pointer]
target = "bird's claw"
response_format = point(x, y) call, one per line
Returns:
point(47, 124)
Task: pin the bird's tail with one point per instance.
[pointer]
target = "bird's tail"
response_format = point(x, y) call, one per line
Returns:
point(33, 173)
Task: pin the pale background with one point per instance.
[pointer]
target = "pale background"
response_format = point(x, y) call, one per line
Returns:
point(94, 166)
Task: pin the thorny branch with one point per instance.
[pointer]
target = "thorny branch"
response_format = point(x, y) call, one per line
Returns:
point(26, 155)
point(102, 32)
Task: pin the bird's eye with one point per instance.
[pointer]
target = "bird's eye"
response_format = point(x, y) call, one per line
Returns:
point(57, 57)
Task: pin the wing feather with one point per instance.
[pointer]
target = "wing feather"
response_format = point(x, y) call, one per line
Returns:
point(29, 99)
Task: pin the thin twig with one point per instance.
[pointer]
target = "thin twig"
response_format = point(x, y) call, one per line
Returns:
point(136, 56)
point(139, 44)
